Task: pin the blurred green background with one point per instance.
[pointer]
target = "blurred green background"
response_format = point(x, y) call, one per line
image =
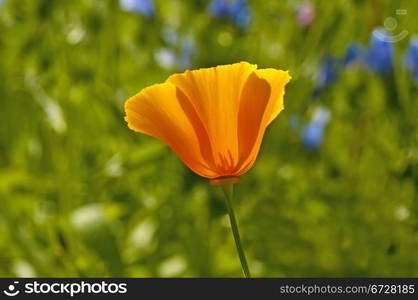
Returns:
point(82, 195)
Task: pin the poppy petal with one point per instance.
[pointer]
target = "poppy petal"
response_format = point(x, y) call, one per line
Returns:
point(254, 100)
point(157, 111)
point(277, 80)
point(215, 94)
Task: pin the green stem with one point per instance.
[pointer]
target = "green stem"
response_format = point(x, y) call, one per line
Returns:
point(228, 190)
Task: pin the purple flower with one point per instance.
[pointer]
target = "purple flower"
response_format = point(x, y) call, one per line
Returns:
point(143, 7)
point(411, 58)
point(305, 14)
point(379, 57)
point(313, 132)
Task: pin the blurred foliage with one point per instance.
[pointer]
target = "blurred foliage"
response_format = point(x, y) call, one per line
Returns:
point(82, 195)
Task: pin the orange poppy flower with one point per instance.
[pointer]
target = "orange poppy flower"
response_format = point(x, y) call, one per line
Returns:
point(214, 119)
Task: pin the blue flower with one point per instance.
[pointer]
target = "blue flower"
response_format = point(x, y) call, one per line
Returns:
point(240, 13)
point(220, 8)
point(379, 57)
point(354, 54)
point(327, 74)
point(143, 7)
point(313, 133)
point(236, 10)
point(411, 58)
point(312, 136)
